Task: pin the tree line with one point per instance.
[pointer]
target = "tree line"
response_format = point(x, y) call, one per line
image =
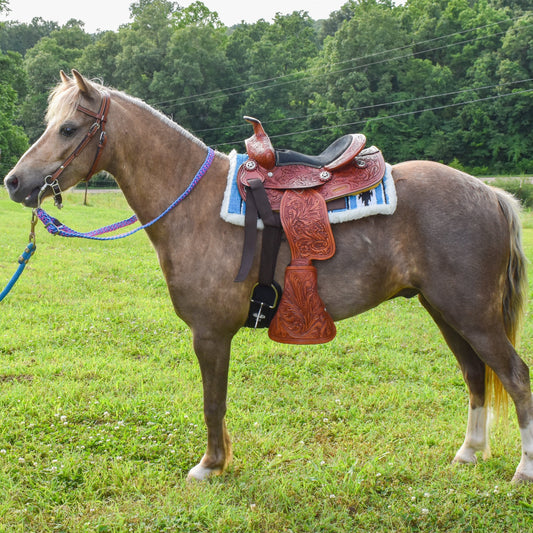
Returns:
point(445, 80)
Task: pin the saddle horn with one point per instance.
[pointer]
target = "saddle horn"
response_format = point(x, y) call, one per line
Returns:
point(259, 145)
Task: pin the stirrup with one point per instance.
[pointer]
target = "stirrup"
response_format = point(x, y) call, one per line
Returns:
point(264, 302)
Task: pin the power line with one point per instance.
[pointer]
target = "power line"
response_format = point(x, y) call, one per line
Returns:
point(367, 107)
point(375, 119)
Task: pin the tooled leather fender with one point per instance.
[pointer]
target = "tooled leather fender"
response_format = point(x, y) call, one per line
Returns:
point(301, 317)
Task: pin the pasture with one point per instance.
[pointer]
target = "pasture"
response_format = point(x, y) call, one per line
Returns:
point(101, 408)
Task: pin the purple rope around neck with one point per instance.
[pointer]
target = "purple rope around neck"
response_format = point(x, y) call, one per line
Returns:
point(57, 228)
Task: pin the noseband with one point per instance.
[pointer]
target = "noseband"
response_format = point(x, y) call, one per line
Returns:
point(99, 125)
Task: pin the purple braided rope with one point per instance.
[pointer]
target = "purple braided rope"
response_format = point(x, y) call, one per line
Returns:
point(57, 228)
point(52, 224)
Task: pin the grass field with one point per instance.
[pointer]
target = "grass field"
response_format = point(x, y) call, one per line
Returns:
point(101, 415)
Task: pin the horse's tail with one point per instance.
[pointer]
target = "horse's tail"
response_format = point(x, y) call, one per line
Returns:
point(514, 297)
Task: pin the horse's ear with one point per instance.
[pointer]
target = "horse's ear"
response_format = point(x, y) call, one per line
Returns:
point(80, 81)
point(64, 77)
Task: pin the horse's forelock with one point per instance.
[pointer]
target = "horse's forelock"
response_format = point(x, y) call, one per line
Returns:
point(64, 99)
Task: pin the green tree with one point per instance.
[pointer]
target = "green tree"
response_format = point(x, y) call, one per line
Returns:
point(353, 78)
point(19, 37)
point(144, 45)
point(195, 69)
point(60, 51)
point(99, 59)
point(13, 141)
point(278, 61)
point(196, 14)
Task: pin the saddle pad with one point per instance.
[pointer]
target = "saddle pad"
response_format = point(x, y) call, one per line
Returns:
point(379, 201)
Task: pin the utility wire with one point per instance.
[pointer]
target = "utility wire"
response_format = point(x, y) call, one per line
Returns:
point(375, 119)
point(373, 106)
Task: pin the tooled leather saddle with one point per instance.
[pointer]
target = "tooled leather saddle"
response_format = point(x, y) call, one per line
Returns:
point(294, 191)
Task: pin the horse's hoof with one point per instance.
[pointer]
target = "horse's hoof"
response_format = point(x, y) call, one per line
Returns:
point(201, 473)
point(463, 458)
point(521, 477)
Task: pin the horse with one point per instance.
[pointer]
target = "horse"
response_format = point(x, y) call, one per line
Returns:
point(453, 241)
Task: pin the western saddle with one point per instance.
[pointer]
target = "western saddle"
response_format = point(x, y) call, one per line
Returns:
point(294, 191)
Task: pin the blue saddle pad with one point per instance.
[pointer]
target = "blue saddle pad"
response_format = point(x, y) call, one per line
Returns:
point(378, 201)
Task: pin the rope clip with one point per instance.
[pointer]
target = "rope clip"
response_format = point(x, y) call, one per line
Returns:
point(33, 223)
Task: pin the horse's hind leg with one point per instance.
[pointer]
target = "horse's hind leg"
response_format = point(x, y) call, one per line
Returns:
point(495, 349)
point(473, 369)
point(488, 340)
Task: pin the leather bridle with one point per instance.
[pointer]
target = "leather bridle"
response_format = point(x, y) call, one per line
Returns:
point(99, 125)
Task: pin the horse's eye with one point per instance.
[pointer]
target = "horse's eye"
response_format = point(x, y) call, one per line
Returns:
point(67, 130)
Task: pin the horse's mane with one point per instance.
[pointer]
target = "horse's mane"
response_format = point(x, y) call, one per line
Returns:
point(65, 97)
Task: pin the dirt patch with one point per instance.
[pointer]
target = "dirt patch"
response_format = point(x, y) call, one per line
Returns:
point(15, 377)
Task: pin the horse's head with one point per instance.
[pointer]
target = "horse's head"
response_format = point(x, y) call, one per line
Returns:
point(69, 150)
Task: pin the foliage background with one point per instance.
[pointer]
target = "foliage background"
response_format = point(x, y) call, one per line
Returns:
point(446, 80)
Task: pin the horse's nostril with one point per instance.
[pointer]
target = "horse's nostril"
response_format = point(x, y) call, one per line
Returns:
point(12, 183)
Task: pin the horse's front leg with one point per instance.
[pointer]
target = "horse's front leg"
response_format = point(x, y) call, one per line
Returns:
point(213, 355)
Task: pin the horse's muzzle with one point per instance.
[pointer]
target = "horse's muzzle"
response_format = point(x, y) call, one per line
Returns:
point(19, 193)
point(11, 183)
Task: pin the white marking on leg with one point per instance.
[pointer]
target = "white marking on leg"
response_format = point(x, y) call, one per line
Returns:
point(524, 472)
point(201, 473)
point(476, 438)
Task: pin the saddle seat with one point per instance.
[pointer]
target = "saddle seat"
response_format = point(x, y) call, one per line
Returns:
point(333, 152)
point(298, 186)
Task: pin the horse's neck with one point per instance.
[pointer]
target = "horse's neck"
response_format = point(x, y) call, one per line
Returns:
point(153, 159)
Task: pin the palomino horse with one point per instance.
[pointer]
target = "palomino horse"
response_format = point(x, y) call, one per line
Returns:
point(452, 240)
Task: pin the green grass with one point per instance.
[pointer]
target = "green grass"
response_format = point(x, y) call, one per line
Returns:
point(101, 416)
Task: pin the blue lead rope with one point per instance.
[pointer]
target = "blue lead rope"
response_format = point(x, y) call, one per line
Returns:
point(57, 228)
point(23, 260)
